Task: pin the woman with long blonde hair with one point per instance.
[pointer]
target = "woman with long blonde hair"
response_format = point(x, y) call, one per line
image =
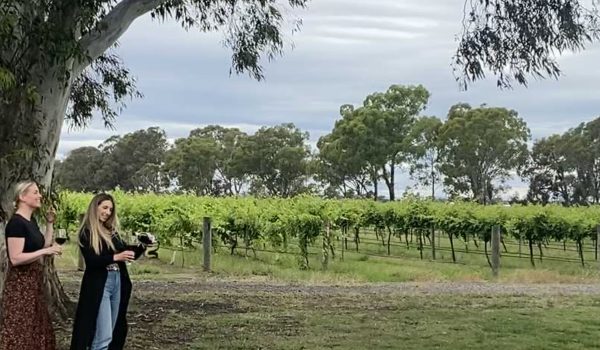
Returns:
point(26, 323)
point(100, 320)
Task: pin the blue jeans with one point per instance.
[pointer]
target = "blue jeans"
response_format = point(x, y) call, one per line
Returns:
point(107, 314)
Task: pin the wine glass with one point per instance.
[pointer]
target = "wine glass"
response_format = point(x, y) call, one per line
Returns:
point(61, 236)
point(131, 244)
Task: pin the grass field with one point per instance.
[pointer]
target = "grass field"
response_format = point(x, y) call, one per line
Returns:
point(201, 312)
point(380, 322)
point(268, 303)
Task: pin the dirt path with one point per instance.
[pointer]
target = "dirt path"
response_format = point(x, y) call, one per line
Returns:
point(412, 288)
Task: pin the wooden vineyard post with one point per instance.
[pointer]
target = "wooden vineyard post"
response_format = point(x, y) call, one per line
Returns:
point(343, 241)
point(433, 241)
point(326, 245)
point(495, 250)
point(80, 261)
point(206, 243)
point(520, 243)
point(597, 241)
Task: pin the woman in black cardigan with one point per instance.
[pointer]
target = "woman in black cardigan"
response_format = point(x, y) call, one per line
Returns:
point(100, 321)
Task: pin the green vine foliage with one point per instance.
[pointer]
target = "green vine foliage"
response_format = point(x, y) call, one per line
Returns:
point(295, 225)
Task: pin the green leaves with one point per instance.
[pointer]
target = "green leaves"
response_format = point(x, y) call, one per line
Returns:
point(514, 39)
point(102, 87)
point(252, 28)
point(7, 79)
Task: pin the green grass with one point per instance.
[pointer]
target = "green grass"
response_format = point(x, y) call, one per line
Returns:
point(173, 309)
point(263, 320)
point(418, 323)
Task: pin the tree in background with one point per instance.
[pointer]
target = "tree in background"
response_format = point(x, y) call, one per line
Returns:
point(276, 160)
point(425, 162)
point(132, 162)
point(481, 147)
point(227, 141)
point(377, 136)
point(79, 171)
point(192, 163)
point(566, 167)
point(342, 173)
point(128, 154)
point(551, 174)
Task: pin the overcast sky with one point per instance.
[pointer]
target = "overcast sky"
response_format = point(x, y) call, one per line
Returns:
point(346, 50)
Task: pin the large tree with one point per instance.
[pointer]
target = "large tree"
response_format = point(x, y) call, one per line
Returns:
point(78, 172)
point(192, 163)
point(341, 172)
point(584, 154)
point(388, 118)
point(127, 159)
point(55, 62)
point(227, 141)
point(550, 171)
point(481, 148)
point(276, 160)
point(342, 165)
point(348, 155)
point(377, 135)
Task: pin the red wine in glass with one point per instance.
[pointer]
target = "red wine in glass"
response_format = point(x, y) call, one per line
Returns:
point(132, 247)
point(61, 236)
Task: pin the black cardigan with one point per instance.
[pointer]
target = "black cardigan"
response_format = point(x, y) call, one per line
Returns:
point(92, 288)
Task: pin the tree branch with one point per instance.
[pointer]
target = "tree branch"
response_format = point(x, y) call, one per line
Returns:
point(112, 26)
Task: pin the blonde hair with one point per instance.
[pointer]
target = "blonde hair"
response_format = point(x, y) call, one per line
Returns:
point(21, 189)
point(100, 233)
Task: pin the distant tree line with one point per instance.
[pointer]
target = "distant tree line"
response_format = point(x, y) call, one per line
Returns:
point(471, 154)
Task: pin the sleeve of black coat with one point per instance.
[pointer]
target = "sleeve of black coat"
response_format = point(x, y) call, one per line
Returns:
point(92, 259)
point(139, 250)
